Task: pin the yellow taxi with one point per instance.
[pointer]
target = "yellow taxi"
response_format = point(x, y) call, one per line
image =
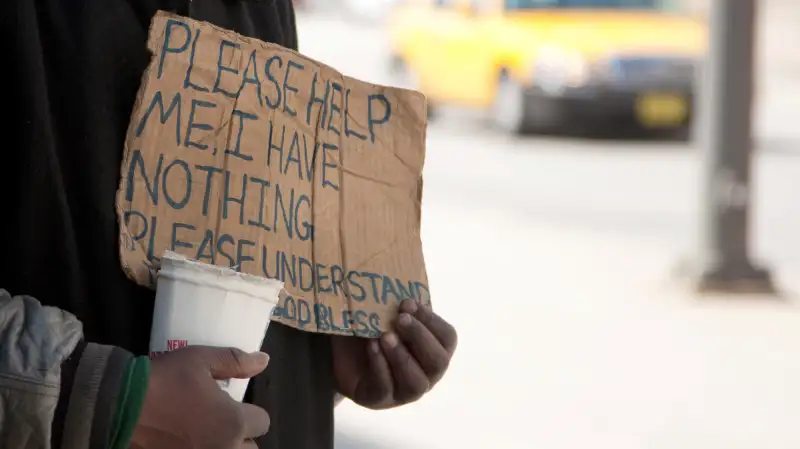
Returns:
point(547, 65)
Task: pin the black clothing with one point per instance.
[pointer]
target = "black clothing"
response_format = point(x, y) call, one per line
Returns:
point(75, 68)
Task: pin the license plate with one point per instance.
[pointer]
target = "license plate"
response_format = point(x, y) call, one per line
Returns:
point(661, 110)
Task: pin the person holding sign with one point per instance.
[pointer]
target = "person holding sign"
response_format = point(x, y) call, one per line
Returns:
point(73, 366)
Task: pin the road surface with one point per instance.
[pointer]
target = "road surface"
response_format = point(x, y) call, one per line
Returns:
point(553, 257)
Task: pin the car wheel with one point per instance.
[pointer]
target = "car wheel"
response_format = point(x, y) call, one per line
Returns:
point(508, 109)
point(518, 112)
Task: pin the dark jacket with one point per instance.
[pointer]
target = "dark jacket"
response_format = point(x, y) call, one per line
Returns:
point(71, 73)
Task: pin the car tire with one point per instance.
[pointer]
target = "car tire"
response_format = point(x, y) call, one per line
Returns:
point(515, 111)
point(508, 111)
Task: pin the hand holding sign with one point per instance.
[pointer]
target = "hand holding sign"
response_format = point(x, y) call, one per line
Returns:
point(399, 367)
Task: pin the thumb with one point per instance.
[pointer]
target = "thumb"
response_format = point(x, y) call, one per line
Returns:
point(233, 363)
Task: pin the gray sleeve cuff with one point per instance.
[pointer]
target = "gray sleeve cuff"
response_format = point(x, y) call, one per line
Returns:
point(35, 342)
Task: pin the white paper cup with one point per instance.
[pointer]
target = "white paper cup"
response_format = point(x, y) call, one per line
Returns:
point(201, 304)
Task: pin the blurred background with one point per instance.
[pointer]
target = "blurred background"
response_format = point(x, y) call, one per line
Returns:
point(564, 186)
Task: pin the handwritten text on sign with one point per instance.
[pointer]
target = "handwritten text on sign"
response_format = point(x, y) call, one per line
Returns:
point(249, 155)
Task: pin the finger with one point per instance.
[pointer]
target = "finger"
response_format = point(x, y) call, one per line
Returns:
point(256, 420)
point(378, 386)
point(232, 363)
point(410, 381)
point(432, 357)
point(441, 329)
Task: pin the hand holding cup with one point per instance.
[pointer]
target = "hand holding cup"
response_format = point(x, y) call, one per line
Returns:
point(186, 409)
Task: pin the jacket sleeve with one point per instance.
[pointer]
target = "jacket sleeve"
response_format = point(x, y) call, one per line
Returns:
point(56, 391)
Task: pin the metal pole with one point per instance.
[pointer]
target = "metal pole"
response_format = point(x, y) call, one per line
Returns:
point(725, 136)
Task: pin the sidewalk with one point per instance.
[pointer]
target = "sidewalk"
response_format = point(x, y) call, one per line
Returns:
point(586, 343)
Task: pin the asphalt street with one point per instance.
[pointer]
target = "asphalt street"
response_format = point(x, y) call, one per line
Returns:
point(552, 256)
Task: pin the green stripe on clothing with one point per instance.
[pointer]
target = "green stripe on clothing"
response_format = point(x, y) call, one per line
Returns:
point(130, 403)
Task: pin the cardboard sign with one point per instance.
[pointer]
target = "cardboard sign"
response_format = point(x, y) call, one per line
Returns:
point(248, 155)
